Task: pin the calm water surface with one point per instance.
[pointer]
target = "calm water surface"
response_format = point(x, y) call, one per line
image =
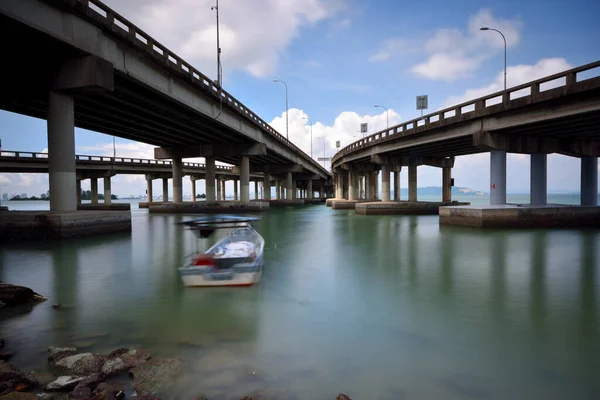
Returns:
point(378, 307)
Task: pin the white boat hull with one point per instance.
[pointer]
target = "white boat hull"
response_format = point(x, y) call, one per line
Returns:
point(239, 279)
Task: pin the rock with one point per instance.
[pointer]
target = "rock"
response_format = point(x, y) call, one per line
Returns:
point(85, 388)
point(122, 363)
point(6, 387)
point(81, 393)
point(155, 375)
point(103, 395)
point(39, 378)
point(81, 364)
point(56, 305)
point(19, 396)
point(6, 355)
point(8, 371)
point(64, 383)
point(269, 394)
point(13, 294)
point(58, 353)
point(117, 352)
point(144, 397)
point(342, 396)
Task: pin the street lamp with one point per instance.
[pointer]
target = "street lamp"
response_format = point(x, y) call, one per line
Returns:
point(386, 115)
point(310, 135)
point(286, 108)
point(485, 28)
point(216, 7)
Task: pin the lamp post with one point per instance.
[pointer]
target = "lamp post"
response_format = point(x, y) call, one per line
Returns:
point(485, 28)
point(216, 7)
point(386, 115)
point(310, 135)
point(286, 108)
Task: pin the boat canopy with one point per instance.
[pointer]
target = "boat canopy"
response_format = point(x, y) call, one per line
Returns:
point(206, 226)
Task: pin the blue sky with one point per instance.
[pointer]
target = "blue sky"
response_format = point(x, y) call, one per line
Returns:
point(339, 58)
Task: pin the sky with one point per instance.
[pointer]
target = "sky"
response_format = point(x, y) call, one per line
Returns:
point(339, 58)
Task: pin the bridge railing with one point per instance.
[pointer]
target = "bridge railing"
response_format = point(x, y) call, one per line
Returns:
point(28, 155)
point(104, 16)
point(580, 78)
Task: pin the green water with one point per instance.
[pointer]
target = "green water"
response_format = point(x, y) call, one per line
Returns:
point(378, 307)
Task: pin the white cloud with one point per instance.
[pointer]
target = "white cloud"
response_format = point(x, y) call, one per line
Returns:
point(453, 53)
point(253, 34)
point(515, 75)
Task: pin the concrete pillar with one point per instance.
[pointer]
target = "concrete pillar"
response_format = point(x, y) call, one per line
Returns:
point(210, 179)
point(165, 190)
point(219, 187)
point(149, 188)
point(78, 190)
point(107, 190)
point(235, 189)
point(288, 186)
point(255, 190)
point(177, 167)
point(412, 183)
point(351, 185)
point(223, 191)
point(309, 189)
point(497, 177)
point(589, 181)
point(277, 190)
point(94, 190)
point(369, 195)
point(361, 189)
point(397, 184)
point(266, 186)
point(61, 152)
point(294, 189)
point(538, 180)
point(446, 184)
point(385, 183)
point(245, 179)
point(193, 181)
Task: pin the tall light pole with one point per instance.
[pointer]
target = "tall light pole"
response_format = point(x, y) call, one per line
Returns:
point(387, 118)
point(485, 28)
point(310, 136)
point(286, 108)
point(219, 77)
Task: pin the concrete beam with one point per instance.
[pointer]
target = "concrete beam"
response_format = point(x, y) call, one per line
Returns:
point(515, 143)
point(85, 72)
point(401, 161)
point(211, 150)
point(276, 168)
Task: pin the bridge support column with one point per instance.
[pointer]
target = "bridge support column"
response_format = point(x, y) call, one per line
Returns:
point(223, 191)
point(149, 188)
point(210, 178)
point(412, 183)
point(219, 198)
point(256, 190)
point(309, 189)
point(165, 196)
point(376, 184)
point(78, 190)
point(538, 180)
point(497, 177)
point(361, 188)
point(245, 179)
point(177, 167)
point(289, 186)
point(107, 190)
point(322, 190)
point(235, 189)
point(351, 185)
point(61, 152)
point(266, 186)
point(94, 190)
point(385, 183)
point(589, 181)
point(397, 183)
point(193, 181)
point(446, 184)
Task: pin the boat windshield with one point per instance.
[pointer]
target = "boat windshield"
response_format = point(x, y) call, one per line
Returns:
point(206, 226)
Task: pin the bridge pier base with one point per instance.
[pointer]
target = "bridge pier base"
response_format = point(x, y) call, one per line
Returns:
point(589, 181)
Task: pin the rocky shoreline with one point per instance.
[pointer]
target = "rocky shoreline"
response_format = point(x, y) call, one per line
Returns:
point(121, 374)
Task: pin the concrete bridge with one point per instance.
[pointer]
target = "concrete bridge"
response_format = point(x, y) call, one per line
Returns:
point(556, 114)
point(80, 63)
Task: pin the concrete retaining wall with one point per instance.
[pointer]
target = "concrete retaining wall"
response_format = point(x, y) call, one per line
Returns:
point(222, 207)
point(402, 207)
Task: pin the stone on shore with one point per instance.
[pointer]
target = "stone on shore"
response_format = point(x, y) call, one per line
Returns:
point(124, 361)
point(85, 388)
point(156, 375)
point(58, 353)
point(81, 364)
point(19, 396)
point(342, 396)
point(12, 294)
point(64, 383)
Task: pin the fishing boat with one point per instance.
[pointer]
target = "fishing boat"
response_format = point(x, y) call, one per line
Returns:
point(234, 260)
